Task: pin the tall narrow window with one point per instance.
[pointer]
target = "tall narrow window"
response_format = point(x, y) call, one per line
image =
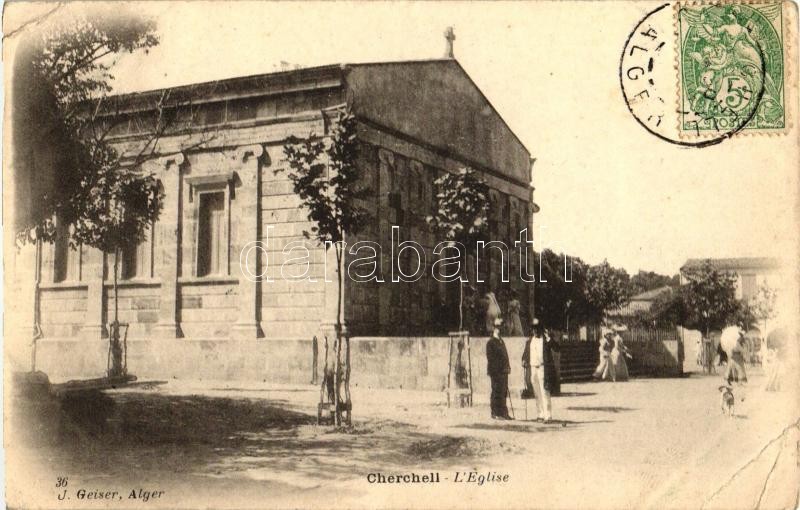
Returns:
point(137, 262)
point(60, 257)
point(749, 286)
point(66, 259)
point(211, 240)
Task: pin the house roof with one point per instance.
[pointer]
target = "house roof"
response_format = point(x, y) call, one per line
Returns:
point(640, 302)
point(652, 294)
point(734, 264)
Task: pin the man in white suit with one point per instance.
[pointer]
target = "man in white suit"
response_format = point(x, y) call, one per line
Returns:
point(542, 371)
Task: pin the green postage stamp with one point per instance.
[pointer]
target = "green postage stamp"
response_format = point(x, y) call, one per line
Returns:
point(732, 68)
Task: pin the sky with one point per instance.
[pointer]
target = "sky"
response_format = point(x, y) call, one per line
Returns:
point(607, 188)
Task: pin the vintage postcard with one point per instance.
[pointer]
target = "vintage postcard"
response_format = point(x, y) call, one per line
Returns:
point(401, 255)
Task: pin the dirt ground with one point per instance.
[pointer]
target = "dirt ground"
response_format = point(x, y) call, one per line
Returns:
point(646, 443)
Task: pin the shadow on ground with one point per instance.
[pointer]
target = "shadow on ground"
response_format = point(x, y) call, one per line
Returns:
point(605, 409)
point(134, 433)
point(532, 426)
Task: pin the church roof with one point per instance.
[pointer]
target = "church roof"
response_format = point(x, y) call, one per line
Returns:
point(433, 102)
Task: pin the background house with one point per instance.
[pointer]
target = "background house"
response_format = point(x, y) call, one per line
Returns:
point(751, 272)
point(639, 304)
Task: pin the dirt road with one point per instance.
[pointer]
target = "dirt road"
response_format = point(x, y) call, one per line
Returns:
point(658, 443)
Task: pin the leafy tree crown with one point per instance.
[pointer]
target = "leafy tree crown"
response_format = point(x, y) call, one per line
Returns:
point(462, 207)
point(325, 175)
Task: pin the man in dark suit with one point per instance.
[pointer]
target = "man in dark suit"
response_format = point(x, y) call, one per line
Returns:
point(498, 369)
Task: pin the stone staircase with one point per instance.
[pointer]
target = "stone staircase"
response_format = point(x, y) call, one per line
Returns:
point(578, 361)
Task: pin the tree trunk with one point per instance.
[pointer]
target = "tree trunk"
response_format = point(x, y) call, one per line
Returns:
point(460, 304)
point(116, 349)
point(461, 294)
point(337, 388)
point(116, 287)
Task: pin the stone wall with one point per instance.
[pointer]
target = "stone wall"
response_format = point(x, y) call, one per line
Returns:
point(656, 358)
point(208, 310)
point(414, 363)
point(277, 361)
point(63, 310)
point(421, 362)
point(400, 175)
point(292, 299)
point(138, 306)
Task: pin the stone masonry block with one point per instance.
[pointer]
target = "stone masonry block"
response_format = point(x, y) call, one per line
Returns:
point(144, 303)
point(189, 302)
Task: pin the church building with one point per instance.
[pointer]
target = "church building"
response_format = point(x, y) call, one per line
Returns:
point(191, 307)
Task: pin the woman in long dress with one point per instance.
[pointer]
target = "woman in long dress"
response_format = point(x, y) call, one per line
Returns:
point(492, 311)
point(605, 369)
point(773, 359)
point(732, 344)
point(514, 322)
point(618, 355)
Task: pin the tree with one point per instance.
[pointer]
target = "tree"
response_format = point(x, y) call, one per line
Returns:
point(668, 309)
point(67, 168)
point(763, 305)
point(606, 288)
point(325, 176)
point(560, 299)
point(461, 218)
point(649, 280)
point(709, 299)
point(63, 73)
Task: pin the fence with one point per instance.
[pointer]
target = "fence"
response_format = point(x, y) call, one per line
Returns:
point(641, 334)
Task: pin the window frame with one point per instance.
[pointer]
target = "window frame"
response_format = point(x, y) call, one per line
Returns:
point(73, 267)
point(150, 265)
point(210, 184)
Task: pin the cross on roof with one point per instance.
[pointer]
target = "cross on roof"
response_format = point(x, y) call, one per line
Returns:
point(449, 36)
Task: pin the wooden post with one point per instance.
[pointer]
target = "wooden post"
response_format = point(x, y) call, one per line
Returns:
point(469, 367)
point(449, 365)
point(463, 394)
point(314, 360)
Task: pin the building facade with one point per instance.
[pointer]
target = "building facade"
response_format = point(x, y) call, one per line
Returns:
point(228, 204)
point(751, 272)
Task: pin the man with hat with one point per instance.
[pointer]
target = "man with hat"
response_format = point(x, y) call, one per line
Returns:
point(498, 369)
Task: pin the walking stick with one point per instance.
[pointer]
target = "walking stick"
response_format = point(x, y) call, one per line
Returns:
point(508, 393)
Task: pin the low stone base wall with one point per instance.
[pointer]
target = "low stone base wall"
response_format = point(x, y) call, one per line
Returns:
point(662, 358)
point(417, 363)
point(414, 363)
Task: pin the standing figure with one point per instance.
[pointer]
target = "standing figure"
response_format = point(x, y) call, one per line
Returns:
point(605, 369)
point(498, 368)
point(526, 371)
point(492, 311)
point(543, 370)
point(774, 367)
point(552, 355)
point(708, 355)
point(731, 342)
point(618, 355)
point(514, 322)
